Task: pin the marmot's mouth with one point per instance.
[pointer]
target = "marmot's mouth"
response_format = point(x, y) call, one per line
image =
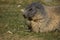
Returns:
point(29, 18)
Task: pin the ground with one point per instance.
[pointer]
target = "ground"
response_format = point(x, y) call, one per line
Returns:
point(12, 23)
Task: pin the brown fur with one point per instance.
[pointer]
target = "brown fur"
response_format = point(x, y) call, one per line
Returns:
point(41, 24)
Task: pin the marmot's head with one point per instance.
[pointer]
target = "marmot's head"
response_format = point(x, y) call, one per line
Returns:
point(33, 9)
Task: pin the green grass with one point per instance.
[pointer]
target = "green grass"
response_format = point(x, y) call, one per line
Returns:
point(51, 2)
point(11, 20)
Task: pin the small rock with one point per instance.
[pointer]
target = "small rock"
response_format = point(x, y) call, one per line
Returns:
point(22, 10)
point(19, 6)
point(9, 32)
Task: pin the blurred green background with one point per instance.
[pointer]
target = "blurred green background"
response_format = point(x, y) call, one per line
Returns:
point(12, 23)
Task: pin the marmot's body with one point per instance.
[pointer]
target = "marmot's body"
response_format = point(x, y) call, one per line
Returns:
point(42, 19)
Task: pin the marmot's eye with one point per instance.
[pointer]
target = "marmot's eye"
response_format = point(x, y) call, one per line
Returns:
point(30, 9)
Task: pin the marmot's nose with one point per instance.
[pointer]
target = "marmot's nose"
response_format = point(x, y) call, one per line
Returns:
point(29, 18)
point(24, 16)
